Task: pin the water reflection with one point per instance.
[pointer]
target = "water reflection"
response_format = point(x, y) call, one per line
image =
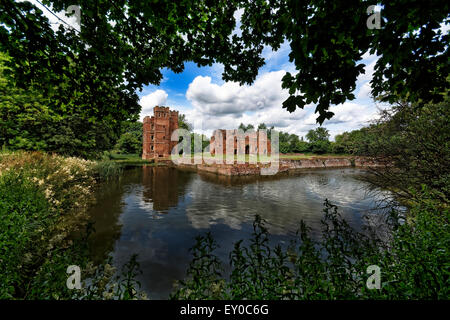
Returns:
point(158, 184)
point(157, 211)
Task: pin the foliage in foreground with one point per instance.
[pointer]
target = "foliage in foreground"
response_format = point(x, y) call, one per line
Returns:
point(43, 221)
point(95, 69)
point(417, 142)
point(30, 119)
point(413, 259)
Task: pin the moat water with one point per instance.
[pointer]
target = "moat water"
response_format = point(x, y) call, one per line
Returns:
point(156, 212)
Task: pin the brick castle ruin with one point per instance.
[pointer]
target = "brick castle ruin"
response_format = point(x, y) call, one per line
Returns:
point(157, 133)
point(158, 130)
point(253, 142)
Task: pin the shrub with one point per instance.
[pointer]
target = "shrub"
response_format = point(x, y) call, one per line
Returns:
point(301, 146)
point(43, 202)
point(129, 142)
point(106, 169)
point(320, 147)
point(24, 219)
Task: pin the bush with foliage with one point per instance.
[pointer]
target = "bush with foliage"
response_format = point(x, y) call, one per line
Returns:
point(414, 142)
point(28, 121)
point(129, 143)
point(319, 140)
point(130, 140)
point(357, 142)
point(43, 202)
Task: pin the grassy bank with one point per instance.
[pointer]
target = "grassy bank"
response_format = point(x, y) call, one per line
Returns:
point(43, 217)
point(128, 159)
point(299, 156)
point(125, 160)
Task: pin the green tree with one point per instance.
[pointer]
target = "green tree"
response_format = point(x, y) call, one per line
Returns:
point(85, 90)
point(262, 126)
point(414, 143)
point(183, 123)
point(284, 147)
point(318, 140)
point(24, 115)
point(319, 134)
point(291, 143)
point(245, 128)
point(92, 72)
point(130, 141)
point(300, 146)
point(328, 41)
point(320, 147)
point(29, 121)
point(129, 144)
point(200, 138)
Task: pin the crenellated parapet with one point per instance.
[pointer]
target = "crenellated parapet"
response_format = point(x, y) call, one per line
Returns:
point(157, 133)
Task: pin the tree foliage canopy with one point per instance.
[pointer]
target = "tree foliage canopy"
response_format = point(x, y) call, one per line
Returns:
point(92, 72)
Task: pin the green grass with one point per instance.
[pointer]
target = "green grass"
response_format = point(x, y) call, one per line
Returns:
point(312, 155)
point(120, 156)
point(129, 159)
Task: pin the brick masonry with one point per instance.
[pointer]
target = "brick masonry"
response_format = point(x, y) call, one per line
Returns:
point(284, 165)
point(253, 142)
point(157, 133)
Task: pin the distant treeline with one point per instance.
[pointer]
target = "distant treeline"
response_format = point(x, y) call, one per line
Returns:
point(317, 141)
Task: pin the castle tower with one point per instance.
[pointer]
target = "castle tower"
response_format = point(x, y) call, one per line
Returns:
point(157, 133)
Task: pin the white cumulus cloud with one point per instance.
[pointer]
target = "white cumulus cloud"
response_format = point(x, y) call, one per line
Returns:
point(156, 98)
point(227, 105)
point(232, 99)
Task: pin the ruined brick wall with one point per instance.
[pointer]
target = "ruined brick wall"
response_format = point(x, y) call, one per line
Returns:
point(157, 133)
point(253, 141)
